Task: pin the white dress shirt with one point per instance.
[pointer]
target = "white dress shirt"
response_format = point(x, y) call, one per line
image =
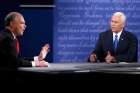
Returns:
point(119, 34)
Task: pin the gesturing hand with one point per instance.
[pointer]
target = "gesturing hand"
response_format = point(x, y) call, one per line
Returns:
point(45, 49)
point(42, 64)
point(109, 58)
point(93, 57)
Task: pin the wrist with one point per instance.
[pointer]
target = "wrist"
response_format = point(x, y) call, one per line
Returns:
point(33, 64)
point(37, 59)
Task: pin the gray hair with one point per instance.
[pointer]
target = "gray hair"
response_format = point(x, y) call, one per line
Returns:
point(121, 15)
point(11, 17)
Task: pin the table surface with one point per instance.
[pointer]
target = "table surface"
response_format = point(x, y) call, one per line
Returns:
point(120, 68)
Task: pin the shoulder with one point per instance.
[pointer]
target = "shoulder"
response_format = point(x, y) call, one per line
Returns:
point(106, 33)
point(4, 35)
point(130, 35)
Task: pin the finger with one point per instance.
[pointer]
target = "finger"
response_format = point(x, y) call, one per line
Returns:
point(47, 45)
point(108, 53)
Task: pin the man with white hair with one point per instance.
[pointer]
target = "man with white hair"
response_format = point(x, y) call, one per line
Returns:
point(116, 44)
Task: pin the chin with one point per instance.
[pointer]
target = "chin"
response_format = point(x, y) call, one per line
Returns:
point(113, 31)
point(20, 34)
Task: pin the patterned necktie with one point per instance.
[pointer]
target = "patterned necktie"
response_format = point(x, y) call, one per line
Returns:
point(17, 46)
point(115, 42)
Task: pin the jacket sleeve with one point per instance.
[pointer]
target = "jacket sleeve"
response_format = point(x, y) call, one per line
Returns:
point(9, 56)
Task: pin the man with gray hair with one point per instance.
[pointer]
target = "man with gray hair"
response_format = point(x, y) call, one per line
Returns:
point(9, 46)
point(116, 44)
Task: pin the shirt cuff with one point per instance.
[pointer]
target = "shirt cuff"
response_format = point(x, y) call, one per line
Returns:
point(33, 63)
point(36, 58)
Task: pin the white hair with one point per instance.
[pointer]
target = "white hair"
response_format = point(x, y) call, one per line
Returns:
point(121, 15)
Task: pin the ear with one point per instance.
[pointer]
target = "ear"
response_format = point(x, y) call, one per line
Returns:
point(123, 24)
point(11, 23)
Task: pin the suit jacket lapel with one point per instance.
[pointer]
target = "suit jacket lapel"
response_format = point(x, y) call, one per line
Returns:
point(12, 43)
point(121, 41)
point(110, 36)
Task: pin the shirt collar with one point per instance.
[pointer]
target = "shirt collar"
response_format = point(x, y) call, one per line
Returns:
point(13, 35)
point(119, 34)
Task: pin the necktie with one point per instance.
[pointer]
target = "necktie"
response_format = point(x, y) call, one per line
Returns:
point(17, 46)
point(115, 42)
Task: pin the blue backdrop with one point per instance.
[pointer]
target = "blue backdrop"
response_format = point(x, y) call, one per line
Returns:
point(77, 24)
point(7, 6)
point(72, 27)
point(39, 31)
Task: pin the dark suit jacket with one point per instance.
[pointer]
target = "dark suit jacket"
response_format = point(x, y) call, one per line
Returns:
point(8, 53)
point(127, 47)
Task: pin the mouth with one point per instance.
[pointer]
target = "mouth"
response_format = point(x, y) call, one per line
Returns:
point(23, 30)
point(113, 27)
